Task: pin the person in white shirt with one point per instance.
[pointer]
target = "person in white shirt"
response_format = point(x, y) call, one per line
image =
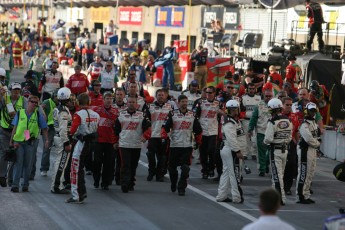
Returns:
point(269, 205)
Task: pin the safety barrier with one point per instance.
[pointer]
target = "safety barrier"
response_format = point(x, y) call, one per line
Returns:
point(333, 145)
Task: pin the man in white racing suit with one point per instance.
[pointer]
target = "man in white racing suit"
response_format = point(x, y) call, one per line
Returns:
point(62, 123)
point(278, 136)
point(84, 129)
point(230, 152)
point(307, 153)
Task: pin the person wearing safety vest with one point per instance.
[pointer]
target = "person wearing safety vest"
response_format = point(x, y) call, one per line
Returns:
point(17, 50)
point(26, 130)
point(9, 105)
point(48, 106)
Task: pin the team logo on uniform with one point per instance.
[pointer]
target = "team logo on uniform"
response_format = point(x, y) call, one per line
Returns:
point(283, 124)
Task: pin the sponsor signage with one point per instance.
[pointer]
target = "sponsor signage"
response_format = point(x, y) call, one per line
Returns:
point(228, 16)
point(130, 16)
point(170, 16)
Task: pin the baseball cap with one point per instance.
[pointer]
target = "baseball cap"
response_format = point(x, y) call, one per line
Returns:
point(194, 83)
point(311, 106)
point(16, 85)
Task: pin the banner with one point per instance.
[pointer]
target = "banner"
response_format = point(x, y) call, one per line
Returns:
point(14, 13)
point(230, 17)
point(181, 45)
point(130, 16)
point(101, 15)
point(170, 16)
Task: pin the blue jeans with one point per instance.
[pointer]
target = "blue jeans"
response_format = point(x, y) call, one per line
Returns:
point(168, 72)
point(25, 155)
point(45, 161)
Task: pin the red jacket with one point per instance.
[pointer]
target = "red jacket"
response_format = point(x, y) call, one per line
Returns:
point(294, 118)
point(106, 132)
point(78, 83)
point(277, 79)
point(96, 100)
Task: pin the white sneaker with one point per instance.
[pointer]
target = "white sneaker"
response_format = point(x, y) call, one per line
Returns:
point(44, 173)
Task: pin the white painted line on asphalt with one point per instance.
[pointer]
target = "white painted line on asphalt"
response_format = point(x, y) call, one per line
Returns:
point(213, 199)
point(283, 210)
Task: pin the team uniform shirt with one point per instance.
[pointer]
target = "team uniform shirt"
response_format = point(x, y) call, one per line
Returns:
point(309, 133)
point(248, 105)
point(96, 100)
point(47, 63)
point(84, 122)
point(62, 123)
point(5, 60)
point(181, 127)
point(106, 124)
point(36, 63)
point(277, 79)
point(200, 57)
point(120, 107)
point(95, 70)
point(192, 97)
point(279, 131)
point(108, 79)
point(130, 127)
point(233, 134)
point(207, 112)
point(268, 223)
point(293, 117)
point(78, 83)
point(158, 114)
point(260, 118)
point(51, 81)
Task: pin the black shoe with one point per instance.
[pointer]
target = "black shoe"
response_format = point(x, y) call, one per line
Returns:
point(288, 192)
point(150, 177)
point(311, 201)
point(311, 191)
point(3, 182)
point(204, 176)
point(14, 189)
point(25, 189)
point(73, 201)
point(342, 210)
point(124, 188)
point(83, 196)
point(228, 200)
point(117, 182)
point(105, 188)
point(267, 169)
point(159, 179)
point(262, 174)
point(96, 184)
point(181, 192)
point(173, 187)
point(254, 158)
point(131, 188)
point(282, 203)
point(245, 158)
point(31, 178)
point(242, 200)
point(60, 191)
point(241, 179)
point(303, 201)
point(211, 173)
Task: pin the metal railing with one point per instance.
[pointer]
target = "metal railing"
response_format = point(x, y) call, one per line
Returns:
point(330, 28)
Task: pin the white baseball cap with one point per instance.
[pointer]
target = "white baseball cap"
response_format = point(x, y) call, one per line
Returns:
point(16, 85)
point(311, 106)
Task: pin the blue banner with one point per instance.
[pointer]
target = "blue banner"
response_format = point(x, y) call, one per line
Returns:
point(170, 16)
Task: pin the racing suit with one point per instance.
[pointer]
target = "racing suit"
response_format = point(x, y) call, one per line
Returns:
point(181, 127)
point(117, 152)
point(62, 122)
point(50, 82)
point(157, 147)
point(130, 128)
point(104, 150)
point(78, 83)
point(95, 70)
point(192, 97)
point(247, 106)
point(306, 151)
point(278, 135)
point(125, 87)
point(207, 112)
point(84, 128)
point(259, 121)
point(291, 161)
point(233, 134)
point(142, 106)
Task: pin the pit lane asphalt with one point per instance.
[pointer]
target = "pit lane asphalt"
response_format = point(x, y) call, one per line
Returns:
point(153, 206)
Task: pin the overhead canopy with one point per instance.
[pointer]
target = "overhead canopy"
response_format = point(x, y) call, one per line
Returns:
point(98, 3)
point(285, 4)
point(326, 71)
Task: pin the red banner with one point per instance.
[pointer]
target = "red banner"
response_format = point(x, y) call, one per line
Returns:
point(181, 46)
point(130, 16)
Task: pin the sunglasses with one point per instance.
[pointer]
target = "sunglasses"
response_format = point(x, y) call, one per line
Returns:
point(209, 92)
point(251, 88)
point(288, 104)
point(229, 87)
point(96, 85)
point(34, 102)
point(132, 74)
point(108, 65)
point(268, 96)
